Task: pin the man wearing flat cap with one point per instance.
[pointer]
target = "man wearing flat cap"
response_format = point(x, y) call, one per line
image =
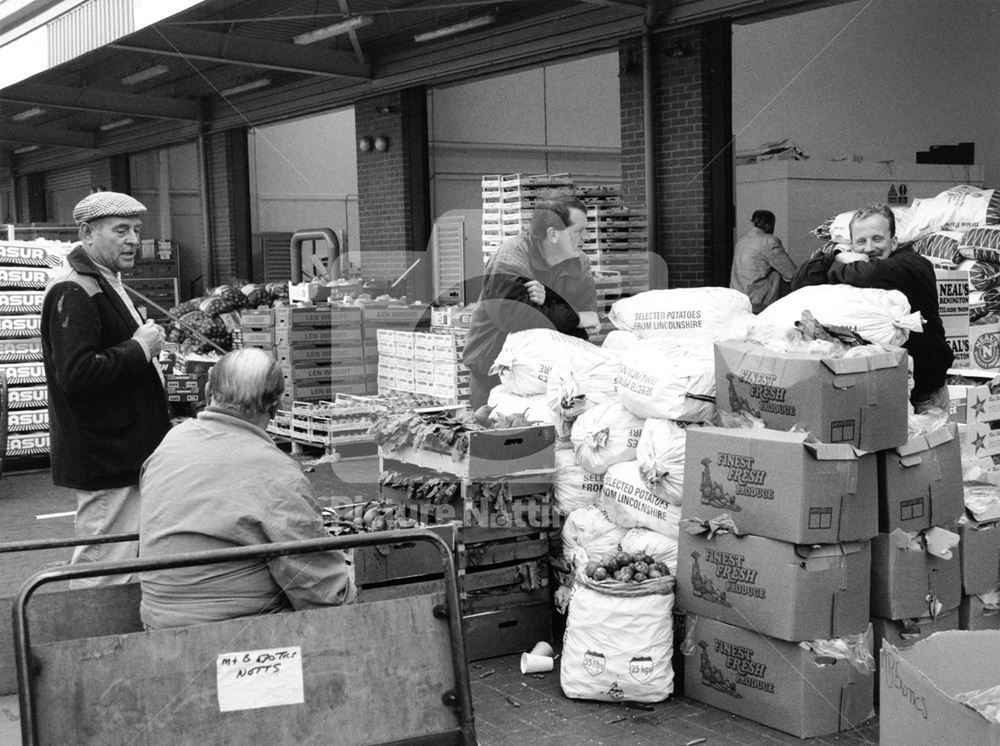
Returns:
point(107, 406)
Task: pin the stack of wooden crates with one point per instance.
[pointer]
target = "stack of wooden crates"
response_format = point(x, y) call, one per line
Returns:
point(320, 348)
point(498, 523)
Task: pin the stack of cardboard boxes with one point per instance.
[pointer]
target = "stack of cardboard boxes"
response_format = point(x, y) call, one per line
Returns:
point(802, 496)
point(916, 588)
point(25, 269)
point(975, 407)
point(320, 348)
point(423, 363)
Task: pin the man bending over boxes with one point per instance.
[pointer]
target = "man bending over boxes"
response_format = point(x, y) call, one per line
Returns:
point(218, 482)
point(877, 261)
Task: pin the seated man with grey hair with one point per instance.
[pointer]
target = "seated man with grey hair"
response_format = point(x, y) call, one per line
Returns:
point(218, 481)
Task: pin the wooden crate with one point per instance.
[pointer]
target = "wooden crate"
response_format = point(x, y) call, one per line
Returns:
point(505, 631)
point(475, 549)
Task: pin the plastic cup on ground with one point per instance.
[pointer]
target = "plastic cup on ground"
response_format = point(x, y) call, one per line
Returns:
point(542, 648)
point(531, 663)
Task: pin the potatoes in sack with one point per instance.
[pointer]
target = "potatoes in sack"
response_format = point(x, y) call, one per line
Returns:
point(605, 435)
point(570, 393)
point(573, 486)
point(590, 532)
point(629, 503)
point(879, 316)
point(619, 641)
point(659, 378)
point(534, 407)
point(959, 208)
point(684, 314)
point(620, 339)
point(527, 357)
point(660, 455)
point(660, 547)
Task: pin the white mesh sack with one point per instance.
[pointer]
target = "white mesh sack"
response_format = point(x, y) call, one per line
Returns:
point(660, 455)
point(604, 435)
point(527, 358)
point(619, 641)
point(620, 339)
point(671, 381)
point(684, 314)
point(534, 407)
point(879, 316)
point(590, 532)
point(573, 486)
point(630, 504)
point(570, 393)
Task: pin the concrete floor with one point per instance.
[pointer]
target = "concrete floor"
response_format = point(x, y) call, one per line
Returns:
point(511, 709)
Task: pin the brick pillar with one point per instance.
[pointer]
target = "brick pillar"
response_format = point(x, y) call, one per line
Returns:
point(689, 232)
point(393, 200)
point(227, 164)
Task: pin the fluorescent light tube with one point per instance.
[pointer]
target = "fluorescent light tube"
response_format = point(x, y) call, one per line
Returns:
point(116, 124)
point(336, 29)
point(147, 74)
point(251, 86)
point(456, 28)
point(26, 149)
point(27, 114)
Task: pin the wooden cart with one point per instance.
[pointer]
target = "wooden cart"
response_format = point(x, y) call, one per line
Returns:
point(388, 671)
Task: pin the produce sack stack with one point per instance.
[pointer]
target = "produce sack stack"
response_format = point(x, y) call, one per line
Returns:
point(774, 557)
point(25, 269)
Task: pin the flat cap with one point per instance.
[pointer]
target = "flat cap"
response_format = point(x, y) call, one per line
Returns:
point(106, 205)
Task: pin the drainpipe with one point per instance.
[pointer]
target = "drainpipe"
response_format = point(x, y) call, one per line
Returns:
point(649, 144)
point(208, 274)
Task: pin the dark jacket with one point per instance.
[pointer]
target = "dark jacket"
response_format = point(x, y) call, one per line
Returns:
point(107, 407)
point(911, 274)
point(504, 307)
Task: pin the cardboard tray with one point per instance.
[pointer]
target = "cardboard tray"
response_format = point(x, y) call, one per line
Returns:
point(502, 452)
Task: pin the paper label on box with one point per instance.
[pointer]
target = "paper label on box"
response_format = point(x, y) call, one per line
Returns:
point(253, 679)
point(959, 346)
point(953, 292)
point(984, 346)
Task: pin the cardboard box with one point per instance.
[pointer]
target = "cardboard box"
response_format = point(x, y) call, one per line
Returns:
point(975, 402)
point(902, 633)
point(861, 401)
point(323, 316)
point(500, 452)
point(776, 485)
point(979, 550)
point(979, 439)
point(907, 581)
point(918, 687)
point(778, 684)
point(920, 482)
point(789, 591)
point(979, 612)
point(984, 346)
point(953, 307)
